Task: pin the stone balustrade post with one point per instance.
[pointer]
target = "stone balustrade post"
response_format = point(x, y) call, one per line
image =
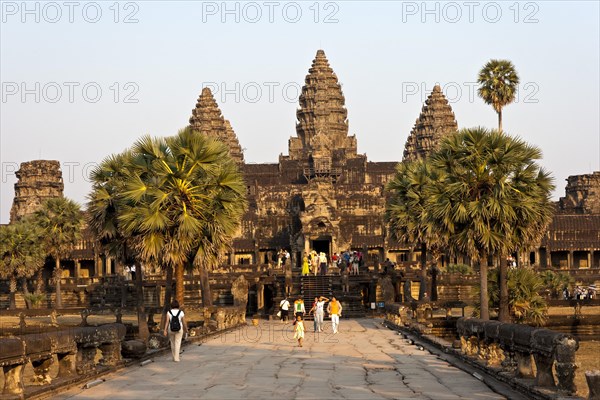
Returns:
point(86, 354)
point(41, 370)
point(566, 365)
point(66, 364)
point(111, 353)
point(524, 365)
point(543, 365)
point(593, 382)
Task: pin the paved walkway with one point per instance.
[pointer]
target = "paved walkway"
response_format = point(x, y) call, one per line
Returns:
point(363, 361)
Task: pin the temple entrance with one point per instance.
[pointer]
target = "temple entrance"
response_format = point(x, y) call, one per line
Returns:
point(321, 245)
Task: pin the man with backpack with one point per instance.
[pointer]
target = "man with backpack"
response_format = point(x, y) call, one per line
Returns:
point(176, 328)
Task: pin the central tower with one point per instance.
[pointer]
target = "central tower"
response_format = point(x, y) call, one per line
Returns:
point(322, 144)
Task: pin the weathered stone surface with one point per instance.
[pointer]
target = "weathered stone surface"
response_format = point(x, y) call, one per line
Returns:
point(593, 382)
point(388, 293)
point(157, 341)
point(133, 349)
point(434, 123)
point(38, 180)
point(207, 119)
point(239, 290)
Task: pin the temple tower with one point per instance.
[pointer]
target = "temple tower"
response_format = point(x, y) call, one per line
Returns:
point(435, 121)
point(582, 195)
point(38, 181)
point(322, 127)
point(207, 119)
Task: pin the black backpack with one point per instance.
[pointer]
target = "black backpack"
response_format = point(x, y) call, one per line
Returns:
point(175, 325)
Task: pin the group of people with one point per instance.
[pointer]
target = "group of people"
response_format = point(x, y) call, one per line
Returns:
point(580, 293)
point(318, 263)
point(283, 257)
point(334, 309)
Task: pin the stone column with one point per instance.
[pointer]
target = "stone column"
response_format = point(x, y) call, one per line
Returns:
point(111, 353)
point(98, 270)
point(260, 298)
point(570, 260)
point(77, 269)
point(589, 258)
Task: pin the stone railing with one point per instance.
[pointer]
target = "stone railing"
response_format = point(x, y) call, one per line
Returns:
point(75, 349)
point(511, 347)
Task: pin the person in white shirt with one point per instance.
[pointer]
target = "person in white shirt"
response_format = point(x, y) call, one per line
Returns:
point(320, 312)
point(175, 337)
point(284, 309)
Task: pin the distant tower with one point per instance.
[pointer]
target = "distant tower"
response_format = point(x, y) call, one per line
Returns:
point(38, 180)
point(322, 117)
point(435, 121)
point(582, 195)
point(207, 119)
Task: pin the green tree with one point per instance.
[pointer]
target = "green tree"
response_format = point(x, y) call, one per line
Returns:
point(481, 200)
point(525, 302)
point(181, 199)
point(104, 204)
point(60, 221)
point(407, 213)
point(21, 255)
point(498, 80)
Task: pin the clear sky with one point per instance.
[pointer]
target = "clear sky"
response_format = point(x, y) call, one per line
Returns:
point(82, 80)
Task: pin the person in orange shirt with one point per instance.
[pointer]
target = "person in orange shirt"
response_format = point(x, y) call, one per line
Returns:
point(334, 308)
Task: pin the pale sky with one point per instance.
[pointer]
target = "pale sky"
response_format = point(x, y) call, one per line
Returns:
point(82, 80)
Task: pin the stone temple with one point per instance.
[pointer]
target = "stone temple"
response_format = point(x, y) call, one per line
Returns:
point(323, 195)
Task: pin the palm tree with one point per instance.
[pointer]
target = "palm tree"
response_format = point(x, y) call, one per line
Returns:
point(103, 208)
point(181, 199)
point(498, 80)
point(484, 198)
point(21, 255)
point(60, 221)
point(406, 211)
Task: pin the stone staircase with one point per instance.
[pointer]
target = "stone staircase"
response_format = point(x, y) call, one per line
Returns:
point(314, 286)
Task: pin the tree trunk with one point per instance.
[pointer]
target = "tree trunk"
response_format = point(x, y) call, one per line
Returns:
point(58, 276)
point(12, 300)
point(500, 120)
point(483, 293)
point(143, 331)
point(39, 282)
point(168, 296)
point(179, 284)
point(503, 313)
point(26, 293)
point(423, 283)
point(205, 287)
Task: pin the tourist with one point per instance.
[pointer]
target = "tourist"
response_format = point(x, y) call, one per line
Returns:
point(312, 310)
point(126, 273)
point(299, 309)
point(320, 312)
point(355, 261)
point(315, 262)
point(286, 257)
point(175, 337)
point(299, 330)
point(305, 268)
point(334, 308)
point(132, 270)
point(284, 309)
point(323, 263)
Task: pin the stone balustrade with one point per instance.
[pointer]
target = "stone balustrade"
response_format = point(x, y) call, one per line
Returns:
point(512, 346)
point(75, 350)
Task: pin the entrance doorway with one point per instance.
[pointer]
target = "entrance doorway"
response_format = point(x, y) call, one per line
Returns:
point(321, 246)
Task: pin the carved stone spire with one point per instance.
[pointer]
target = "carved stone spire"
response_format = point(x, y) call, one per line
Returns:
point(38, 180)
point(207, 119)
point(435, 121)
point(321, 114)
